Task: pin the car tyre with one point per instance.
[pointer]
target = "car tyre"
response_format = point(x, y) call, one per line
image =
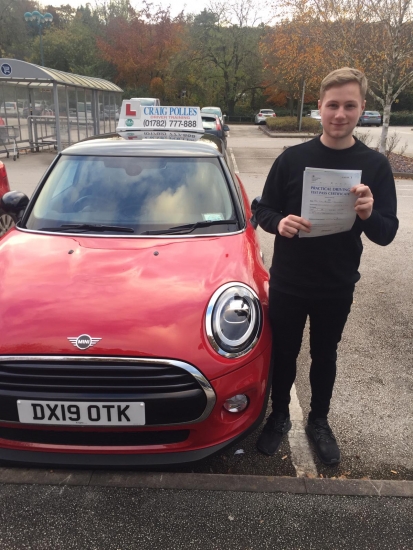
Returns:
point(6, 222)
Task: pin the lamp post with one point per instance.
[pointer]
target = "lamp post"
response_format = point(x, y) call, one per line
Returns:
point(37, 20)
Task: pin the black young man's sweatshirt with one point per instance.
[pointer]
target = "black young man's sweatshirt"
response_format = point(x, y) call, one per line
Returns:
point(324, 266)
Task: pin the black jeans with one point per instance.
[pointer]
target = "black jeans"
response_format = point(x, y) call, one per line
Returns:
point(288, 315)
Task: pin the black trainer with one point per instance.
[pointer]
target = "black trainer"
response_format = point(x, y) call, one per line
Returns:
point(277, 425)
point(322, 437)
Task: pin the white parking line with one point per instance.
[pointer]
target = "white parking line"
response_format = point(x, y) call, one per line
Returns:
point(301, 455)
point(234, 161)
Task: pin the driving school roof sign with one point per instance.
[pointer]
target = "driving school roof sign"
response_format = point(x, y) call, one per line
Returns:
point(134, 116)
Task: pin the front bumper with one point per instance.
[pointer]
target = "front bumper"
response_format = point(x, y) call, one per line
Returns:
point(208, 436)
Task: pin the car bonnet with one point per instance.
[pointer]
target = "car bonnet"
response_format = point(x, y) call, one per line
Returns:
point(143, 297)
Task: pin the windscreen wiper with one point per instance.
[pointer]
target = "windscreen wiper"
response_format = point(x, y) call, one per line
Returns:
point(189, 227)
point(82, 227)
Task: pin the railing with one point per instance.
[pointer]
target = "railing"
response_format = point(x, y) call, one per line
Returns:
point(42, 131)
point(234, 119)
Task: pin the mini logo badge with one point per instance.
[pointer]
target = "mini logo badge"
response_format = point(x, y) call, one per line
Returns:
point(84, 341)
point(129, 122)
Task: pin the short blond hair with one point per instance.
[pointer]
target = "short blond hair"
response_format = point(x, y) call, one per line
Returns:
point(342, 76)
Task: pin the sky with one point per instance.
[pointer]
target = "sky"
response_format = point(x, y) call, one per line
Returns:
point(176, 5)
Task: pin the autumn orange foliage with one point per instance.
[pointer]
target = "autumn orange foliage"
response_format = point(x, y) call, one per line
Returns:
point(292, 54)
point(140, 47)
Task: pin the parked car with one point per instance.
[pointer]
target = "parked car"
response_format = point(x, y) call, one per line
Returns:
point(370, 118)
point(315, 113)
point(110, 112)
point(9, 108)
point(148, 101)
point(137, 327)
point(35, 109)
point(215, 111)
point(262, 115)
point(6, 219)
point(212, 125)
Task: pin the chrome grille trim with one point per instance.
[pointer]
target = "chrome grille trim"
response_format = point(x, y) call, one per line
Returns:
point(200, 378)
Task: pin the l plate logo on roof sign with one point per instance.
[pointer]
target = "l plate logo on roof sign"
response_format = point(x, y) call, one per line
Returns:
point(84, 341)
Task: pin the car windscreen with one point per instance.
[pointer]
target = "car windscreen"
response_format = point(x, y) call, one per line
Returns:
point(138, 193)
point(209, 123)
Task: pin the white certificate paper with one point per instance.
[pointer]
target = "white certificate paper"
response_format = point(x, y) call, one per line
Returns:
point(327, 202)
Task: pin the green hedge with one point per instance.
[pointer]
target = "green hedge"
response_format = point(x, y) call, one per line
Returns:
point(290, 124)
point(401, 118)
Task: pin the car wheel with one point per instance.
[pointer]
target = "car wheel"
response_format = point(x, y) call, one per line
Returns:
point(6, 222)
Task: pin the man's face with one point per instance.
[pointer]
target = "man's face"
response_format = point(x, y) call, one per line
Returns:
point(340, 109)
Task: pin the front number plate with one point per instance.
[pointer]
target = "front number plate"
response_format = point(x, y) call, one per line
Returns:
point(82, 413)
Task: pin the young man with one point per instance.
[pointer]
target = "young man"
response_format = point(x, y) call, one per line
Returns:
point(315, 277)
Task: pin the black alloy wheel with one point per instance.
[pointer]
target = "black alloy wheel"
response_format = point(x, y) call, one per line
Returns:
point(6, 222)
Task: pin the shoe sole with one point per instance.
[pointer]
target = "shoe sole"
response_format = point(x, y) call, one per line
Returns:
point(287, 429)
point(332, 462)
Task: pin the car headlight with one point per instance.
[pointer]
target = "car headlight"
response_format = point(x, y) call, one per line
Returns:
point(233, 320)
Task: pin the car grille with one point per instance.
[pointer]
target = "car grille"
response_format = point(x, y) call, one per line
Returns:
point(94, 438)
point(172, 394)
point(94, 378)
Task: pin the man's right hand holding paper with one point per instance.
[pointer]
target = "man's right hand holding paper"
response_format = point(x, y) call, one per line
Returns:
point(291, 225)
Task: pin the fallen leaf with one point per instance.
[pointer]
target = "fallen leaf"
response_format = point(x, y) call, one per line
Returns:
point(393, 471)
point(284, 457)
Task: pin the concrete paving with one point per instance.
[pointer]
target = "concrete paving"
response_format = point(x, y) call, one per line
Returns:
point(372, 407)
point(63, 510)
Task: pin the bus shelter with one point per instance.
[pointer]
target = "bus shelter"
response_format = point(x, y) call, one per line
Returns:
point(42, 107)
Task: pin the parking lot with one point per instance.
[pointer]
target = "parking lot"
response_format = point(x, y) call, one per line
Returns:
point(372, 406)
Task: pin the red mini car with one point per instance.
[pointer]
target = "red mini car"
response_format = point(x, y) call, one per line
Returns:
point(6, 220)
point(133, 307)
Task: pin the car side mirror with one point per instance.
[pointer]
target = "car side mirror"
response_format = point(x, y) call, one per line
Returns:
point(15, 202)
point(254, 206)
point(226, 128)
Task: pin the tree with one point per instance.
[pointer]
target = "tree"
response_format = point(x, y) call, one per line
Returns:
point(373, 35)
point(141, 45)
point(72, 47)
point(292, 56)
point(224, 48)
point(15, 38)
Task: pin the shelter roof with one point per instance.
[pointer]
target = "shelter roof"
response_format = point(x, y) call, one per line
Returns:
point(15, 71)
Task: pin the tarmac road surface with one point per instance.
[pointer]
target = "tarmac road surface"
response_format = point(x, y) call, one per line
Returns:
point(372, 407)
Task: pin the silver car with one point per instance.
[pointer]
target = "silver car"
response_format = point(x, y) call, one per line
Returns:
point(214, 111)
point(370, 118)
point(262, 115)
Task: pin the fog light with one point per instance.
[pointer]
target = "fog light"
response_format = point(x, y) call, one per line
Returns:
point(236, 404)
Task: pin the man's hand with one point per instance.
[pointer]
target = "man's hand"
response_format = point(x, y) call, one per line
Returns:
point(291, 225)
point(364, 202)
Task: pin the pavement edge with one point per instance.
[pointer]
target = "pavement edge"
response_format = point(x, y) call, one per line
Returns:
point(207, 482)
